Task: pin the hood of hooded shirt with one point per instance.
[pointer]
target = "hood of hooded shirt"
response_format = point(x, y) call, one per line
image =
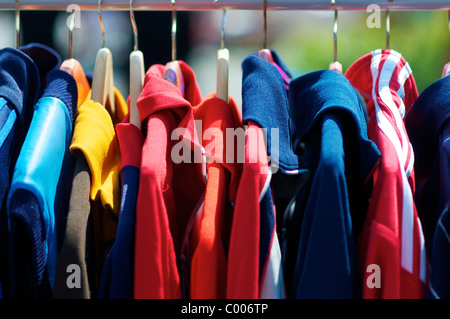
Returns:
point(45, 58)
point(323, 92)
point(159, 94)
point(385, 75)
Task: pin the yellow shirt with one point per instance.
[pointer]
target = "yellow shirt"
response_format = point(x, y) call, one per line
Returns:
point(94, 135)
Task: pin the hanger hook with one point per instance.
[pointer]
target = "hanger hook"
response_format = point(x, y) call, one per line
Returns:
point(388, 27)
point(72, 24)
point(222, 30)
point(265, 24)
point(335, 29)
point(222, 37)
point(174, 30)
point(133, 23)
point(101, 22)
point(17, 26)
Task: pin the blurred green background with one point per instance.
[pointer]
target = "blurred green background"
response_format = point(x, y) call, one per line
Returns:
point(423, 38)
point(303, 39)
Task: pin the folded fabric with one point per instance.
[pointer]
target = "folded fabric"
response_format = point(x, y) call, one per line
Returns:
point(329, 119)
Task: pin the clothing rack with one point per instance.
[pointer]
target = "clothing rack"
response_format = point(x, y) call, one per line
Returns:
point(199, 5)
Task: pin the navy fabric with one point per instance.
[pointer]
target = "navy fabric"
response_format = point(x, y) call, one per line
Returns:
point(267, 226)
point(428, 126)
point(27, 268)
point(265, 102)
point(61, 85)
point(329, 126)
point(46, 60)
point(19, 86)
point(44, 171)
point(440, 259)
point(117, 280)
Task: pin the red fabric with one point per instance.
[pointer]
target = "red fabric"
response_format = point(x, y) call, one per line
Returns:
point(243, 254)
point(168, 192)
point(130, 137)
point(392, 237)
point(209, 263)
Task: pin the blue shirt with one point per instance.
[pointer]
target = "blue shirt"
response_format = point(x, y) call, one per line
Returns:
point(39, 195)
point(19, 86)
point(265, 102)
point(329, 127)
point(428, 126)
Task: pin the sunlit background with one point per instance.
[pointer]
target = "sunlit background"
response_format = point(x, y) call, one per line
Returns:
point(303, 39)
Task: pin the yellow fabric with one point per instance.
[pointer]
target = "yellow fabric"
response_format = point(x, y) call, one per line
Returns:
point(95, 136)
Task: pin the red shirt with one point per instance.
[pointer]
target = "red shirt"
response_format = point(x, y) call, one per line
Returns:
point(169, 191)
point(392, 237)
point(243, 280)
point(209, 263)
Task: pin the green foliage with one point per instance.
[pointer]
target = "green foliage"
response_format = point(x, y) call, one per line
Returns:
point(423, 38)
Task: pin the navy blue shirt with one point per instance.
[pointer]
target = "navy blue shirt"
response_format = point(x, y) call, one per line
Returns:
point(329, 127)
point(39, 194)
point(19, 86)
point(265, 102)
point(117, 280)
point(428, 126)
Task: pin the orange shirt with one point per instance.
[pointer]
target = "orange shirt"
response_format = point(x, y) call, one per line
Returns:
point(209, 239)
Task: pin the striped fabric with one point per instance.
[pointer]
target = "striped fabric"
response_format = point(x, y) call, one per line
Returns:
point(392, 236)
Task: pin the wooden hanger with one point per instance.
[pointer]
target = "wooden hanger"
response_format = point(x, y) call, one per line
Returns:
point(137, 73)
point(103, 79)
point(223, 61)
point(335, 65)
point(172, 71)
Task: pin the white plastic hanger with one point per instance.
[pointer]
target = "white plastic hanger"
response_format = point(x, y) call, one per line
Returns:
point(17, 27)
point(103, 80)
point(223, 61)
point(137, 73)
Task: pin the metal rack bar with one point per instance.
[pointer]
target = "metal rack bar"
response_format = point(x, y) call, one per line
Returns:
point(201, 5)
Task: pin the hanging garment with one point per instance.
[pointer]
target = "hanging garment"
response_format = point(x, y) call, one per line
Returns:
point(392, 241)
point(329, 119)
point(74, 68)
point(38, 197)
point(46, 60)
point(219, 121)
point(428, 127)
point(171, 185)
point(118, 272)
point(19, 86)
point(254, 257)
point(92, 221)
